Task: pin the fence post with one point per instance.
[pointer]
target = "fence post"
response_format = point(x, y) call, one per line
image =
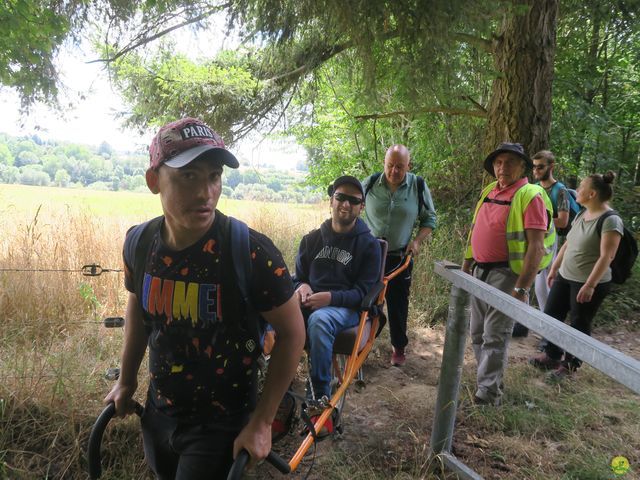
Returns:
point(450, 371)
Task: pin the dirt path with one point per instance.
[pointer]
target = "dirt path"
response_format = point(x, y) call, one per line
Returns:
point(388, 421)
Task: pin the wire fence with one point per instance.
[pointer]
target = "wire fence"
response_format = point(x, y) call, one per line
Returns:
point(90, 270)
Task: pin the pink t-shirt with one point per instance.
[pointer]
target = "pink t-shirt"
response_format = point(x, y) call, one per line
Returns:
point(489, 236)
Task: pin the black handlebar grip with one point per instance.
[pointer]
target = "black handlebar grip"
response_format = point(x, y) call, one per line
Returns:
point(95, 439)
point(242, 460)
point(278, 462)
point(239, 465)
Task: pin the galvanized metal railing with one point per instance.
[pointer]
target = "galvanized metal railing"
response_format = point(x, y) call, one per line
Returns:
point(609, 361)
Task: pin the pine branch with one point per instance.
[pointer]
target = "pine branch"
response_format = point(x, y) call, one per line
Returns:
point(448, 111)
point(325, 55)
point(482, 43)
point(144, 40)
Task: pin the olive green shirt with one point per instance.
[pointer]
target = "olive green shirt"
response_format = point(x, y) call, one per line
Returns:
point(583, 247)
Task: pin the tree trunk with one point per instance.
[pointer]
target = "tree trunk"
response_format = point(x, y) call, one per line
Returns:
point(524, 50)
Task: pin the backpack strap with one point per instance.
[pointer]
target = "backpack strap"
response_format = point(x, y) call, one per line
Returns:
point(602, 218)
point(555, 189)
point(373, 179)
point(421, 188)
point(241, 255)
point(139, 240)
point(237, 233)
point(497, 202)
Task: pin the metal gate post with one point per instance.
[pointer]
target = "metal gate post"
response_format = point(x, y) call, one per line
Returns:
point(451, 371)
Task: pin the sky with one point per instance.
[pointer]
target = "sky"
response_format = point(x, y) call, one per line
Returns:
point(91, 107)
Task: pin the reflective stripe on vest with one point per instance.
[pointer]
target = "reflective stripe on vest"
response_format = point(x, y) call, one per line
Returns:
point(515, 235)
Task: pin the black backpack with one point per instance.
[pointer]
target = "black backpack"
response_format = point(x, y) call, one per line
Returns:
point(626, 254)
point(421, 187)
point(236, 274)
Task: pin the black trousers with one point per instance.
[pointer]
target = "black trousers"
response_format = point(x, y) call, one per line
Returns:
point(398, 301)
point(185, 452)
point(562, 301)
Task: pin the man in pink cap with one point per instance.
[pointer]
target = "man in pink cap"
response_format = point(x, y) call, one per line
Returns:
point(185, 305)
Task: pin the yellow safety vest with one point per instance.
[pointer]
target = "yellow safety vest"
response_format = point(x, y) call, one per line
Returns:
point(516, 238)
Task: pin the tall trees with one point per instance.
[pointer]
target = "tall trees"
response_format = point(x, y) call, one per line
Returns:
point(416, 69)
point(452, 78)
point(597, 89)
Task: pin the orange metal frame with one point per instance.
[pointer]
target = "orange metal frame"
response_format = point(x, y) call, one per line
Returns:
point(353, 364)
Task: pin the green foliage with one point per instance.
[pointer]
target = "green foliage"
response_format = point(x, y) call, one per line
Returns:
point(224, 91)
point(6, 157)
point(71, 165)
point(32, 32)
point(596, 99)
point(61, 164)
point(620, 307)
point(88, 296)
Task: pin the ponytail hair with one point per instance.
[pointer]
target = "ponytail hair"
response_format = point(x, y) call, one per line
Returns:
point(601, 183)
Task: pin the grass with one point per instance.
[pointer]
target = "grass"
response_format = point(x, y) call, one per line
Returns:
point(54, 352)
point(568, 431)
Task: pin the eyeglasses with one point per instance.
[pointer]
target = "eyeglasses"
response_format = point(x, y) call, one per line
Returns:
point(343, 197)
point(539, 167)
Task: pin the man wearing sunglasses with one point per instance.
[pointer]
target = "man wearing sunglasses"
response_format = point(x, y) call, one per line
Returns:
point(543, 165)
point(397, 200)
point(337, 264)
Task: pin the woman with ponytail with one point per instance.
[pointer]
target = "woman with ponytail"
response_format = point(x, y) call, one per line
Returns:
point(580, 277)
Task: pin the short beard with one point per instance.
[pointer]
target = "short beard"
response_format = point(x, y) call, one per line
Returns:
point(345, 222)
point(546, 175)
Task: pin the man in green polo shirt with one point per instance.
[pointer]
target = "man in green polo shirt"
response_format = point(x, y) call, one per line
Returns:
point(395, 202)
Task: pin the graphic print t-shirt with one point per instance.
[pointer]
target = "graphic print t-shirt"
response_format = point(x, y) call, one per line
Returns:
point(201, 366)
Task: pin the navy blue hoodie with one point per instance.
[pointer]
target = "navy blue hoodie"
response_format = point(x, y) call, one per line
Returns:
point(345, 264)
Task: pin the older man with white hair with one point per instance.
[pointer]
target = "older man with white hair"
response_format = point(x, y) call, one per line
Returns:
point(511, 238)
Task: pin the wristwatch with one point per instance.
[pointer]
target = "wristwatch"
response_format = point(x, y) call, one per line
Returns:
point(521, 290)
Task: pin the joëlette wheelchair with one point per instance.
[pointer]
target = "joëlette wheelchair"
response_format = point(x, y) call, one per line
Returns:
point(350, 350)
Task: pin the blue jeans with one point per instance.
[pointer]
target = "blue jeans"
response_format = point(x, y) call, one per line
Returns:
point(322, 327)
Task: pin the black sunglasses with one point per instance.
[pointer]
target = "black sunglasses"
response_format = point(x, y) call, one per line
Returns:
point(343, 197)
point(539, 167)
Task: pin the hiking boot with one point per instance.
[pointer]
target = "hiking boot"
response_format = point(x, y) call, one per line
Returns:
point(558, 375)
point(544, 362)
point(481, 401)
point(398, 357)
point(542, 346)
point(519, 330)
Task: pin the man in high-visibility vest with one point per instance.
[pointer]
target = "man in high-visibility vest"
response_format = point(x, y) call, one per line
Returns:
point(511, 238)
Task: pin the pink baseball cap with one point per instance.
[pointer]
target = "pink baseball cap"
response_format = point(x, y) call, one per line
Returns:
point(179, 143)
